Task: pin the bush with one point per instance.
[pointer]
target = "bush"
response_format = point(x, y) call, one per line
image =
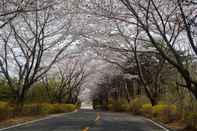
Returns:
point(60, 108)
point(124, 105)
point(119, 105)
point(33, 109)
point(110, 101)
point(45, 108)
point(57, 108)
point(110, 107)
point(191, 119)
point(136, 105)
point(147, 110)
point(5, 110)
point(165, 113)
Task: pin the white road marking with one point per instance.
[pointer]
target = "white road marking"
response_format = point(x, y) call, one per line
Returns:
point(157, 124)
point(34, 121)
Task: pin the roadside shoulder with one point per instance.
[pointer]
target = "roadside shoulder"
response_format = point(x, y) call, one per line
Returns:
point(159, 124)
point(34, 120)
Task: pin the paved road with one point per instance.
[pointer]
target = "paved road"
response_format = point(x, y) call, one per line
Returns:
point(81, 119)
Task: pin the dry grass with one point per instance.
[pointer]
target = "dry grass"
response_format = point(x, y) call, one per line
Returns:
point(177, 125)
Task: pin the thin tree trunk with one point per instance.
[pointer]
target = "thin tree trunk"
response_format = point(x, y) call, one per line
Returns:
point(20, 102)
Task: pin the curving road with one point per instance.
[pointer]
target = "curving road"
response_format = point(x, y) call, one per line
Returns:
point(90, 121)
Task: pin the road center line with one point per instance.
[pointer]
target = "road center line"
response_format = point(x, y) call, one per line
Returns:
point(98, 117)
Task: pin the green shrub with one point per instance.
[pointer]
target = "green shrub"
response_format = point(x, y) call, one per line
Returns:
point(158, 109)
point(147, 110)
point(136, 105)
point(66, 107)
point(165, 113)
point(5, 110)
point(98, 107)
point(110, 101)
point(57, 108)
point(191, 119)
point(32, 109)
point(118, 106)
point(110, 107)
point(124, 105)
point(61, 108)
point(45, 108)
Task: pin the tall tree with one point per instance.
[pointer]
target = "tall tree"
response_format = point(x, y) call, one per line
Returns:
point(173, 22)
point(65, 84)
point(34, 42)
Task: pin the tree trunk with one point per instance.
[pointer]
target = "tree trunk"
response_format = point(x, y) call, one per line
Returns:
point(194, 91)
point(60, 100)
point(153, 101)
point(151, 96)
point(20, 102)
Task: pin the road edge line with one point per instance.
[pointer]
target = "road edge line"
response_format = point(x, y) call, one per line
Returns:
point(157, 124)
point(34, 121)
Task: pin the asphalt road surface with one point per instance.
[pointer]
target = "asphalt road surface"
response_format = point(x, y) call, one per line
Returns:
point(86, 120)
